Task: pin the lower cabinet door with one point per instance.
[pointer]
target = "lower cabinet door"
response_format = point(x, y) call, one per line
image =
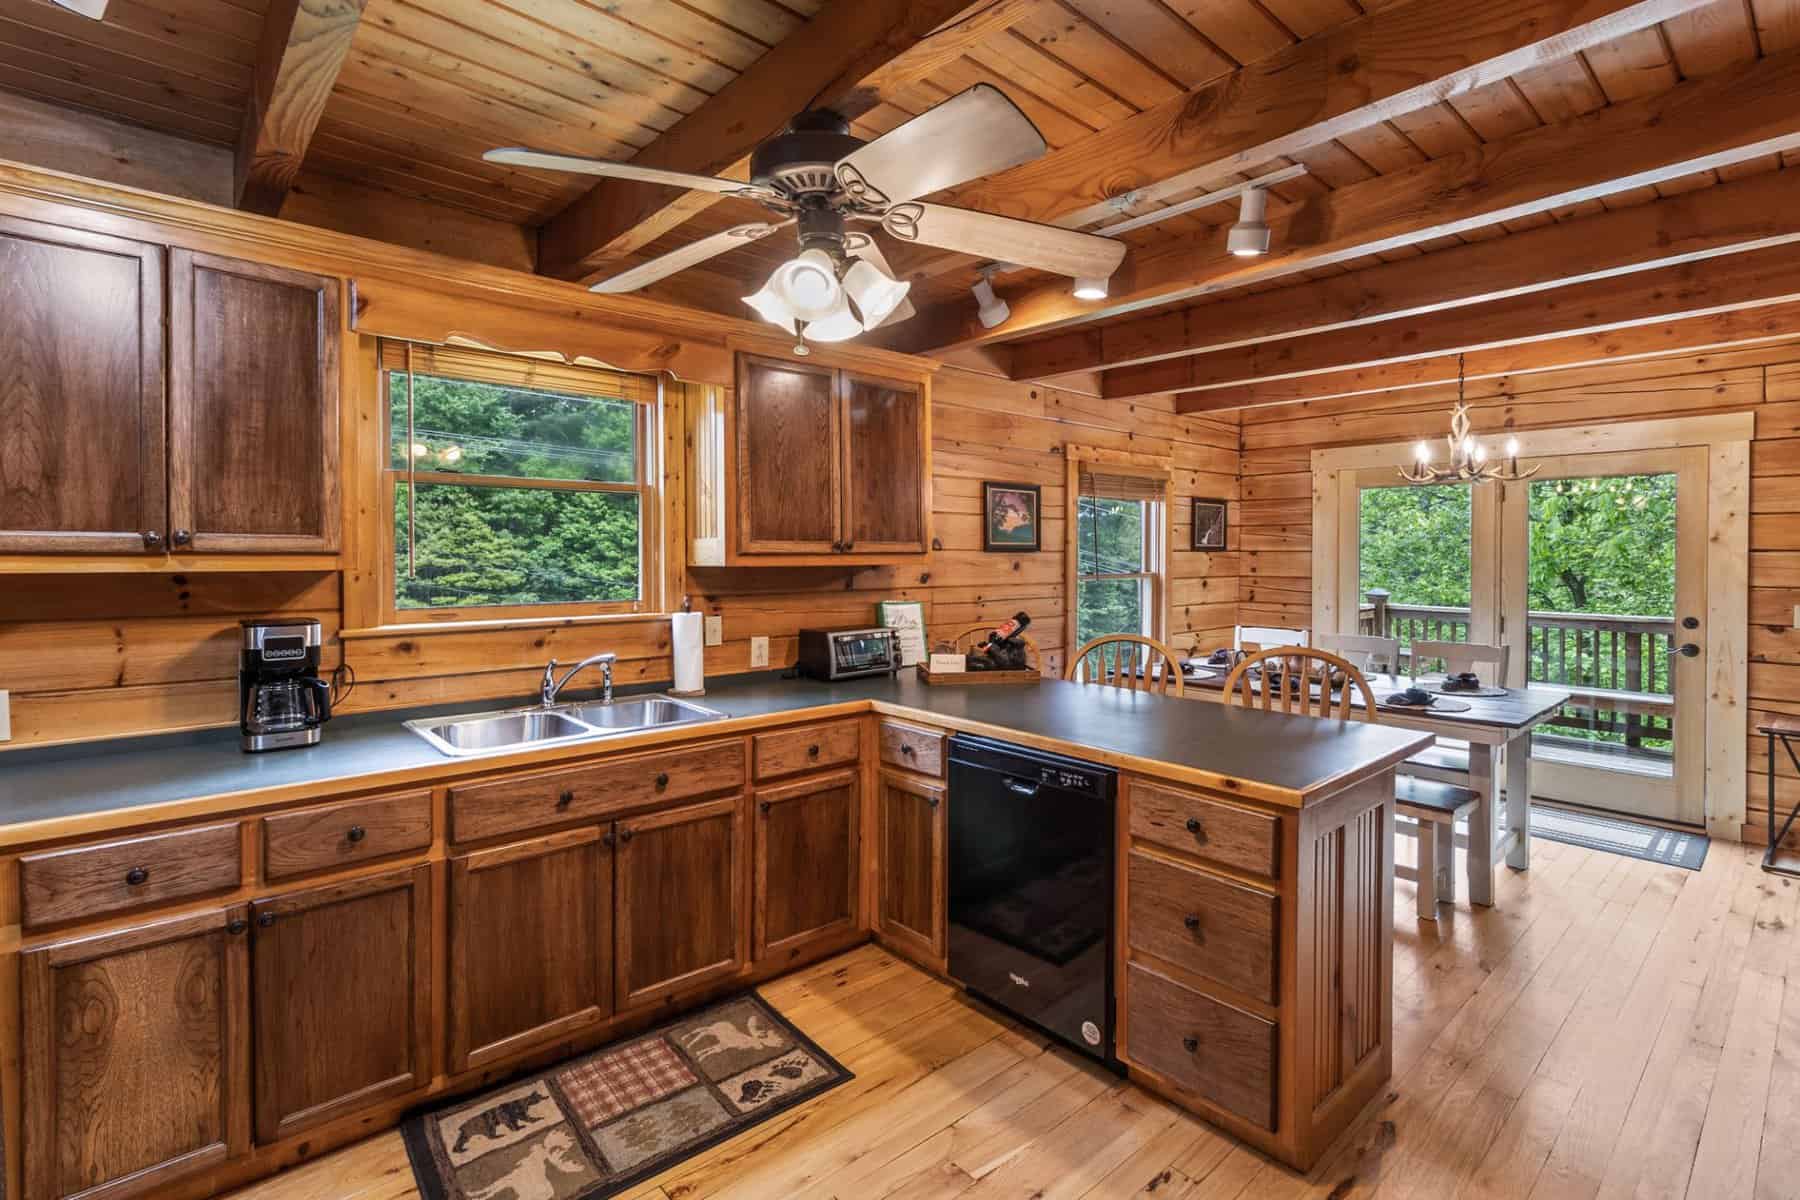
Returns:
point(806, 862)
point(914, 825)
point(136, 1056)
point(530, 945)
point(341, 1006)
point(682, 887)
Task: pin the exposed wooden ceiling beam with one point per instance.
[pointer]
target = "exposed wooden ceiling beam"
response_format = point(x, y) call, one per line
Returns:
point(304, 44)
point(1697, 125)
point(1747, 214)
point(842, 59)
point(1688, 335)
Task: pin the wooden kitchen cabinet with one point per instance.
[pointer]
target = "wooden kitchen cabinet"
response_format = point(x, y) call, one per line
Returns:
point(914, 824)
point(136, 1056)
point(253, 407)
point(531, 927)
point(682, 887)
point(342, 986)
point(81, 393)
point(804, 463)
point(807, 862)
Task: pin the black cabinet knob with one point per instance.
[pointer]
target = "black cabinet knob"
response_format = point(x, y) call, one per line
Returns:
point(1190, 1044)
point(812, 752)
point(932, 800)
point(238, 925)
point(152, 539)
point(1192, 922)
point(849, 546)
point(182, 537)
point(564, 799)
point(662, 781)
point(136, 876)
point(607, 837)
point(357, 833)
point(1193, 826)
point(264, 920)
point(907, 751)
point(767, 808)
point(624, 833)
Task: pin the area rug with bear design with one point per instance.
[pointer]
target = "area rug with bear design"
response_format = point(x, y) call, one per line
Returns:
point(593, 1126)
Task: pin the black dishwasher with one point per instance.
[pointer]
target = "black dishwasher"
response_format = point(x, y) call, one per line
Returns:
point(1031, 887)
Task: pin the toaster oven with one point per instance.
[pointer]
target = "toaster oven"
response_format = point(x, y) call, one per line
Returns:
point(848, 653)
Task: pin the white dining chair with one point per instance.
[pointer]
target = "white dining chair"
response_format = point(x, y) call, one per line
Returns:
point(1267, 637)
point(1448, 760)
point(1378, 654)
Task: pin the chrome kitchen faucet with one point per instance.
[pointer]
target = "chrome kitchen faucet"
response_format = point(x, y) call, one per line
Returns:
point(552, 686)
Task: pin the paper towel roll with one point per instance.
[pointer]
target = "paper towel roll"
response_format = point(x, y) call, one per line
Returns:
point(688, 639)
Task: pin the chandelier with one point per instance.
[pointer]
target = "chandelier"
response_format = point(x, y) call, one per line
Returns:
point(1468, 457)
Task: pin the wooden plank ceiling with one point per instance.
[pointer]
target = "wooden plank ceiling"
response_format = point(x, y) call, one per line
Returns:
point(427, 85)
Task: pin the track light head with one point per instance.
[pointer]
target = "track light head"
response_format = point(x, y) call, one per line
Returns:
point(1250, 236)
point(993, 310)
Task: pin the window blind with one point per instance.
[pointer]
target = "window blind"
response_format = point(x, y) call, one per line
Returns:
point(513, 370)
point(1102, 482)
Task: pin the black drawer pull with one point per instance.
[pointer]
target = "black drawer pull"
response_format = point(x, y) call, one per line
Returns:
point(237, 926)
point(264, 920)
point(907, 750)
point(1192, 922)
point(357, 833)
point(1190, 1044)
point(662, 781)
point(812, 752)
point(137, 876)
point(1193, 826)
point(564, 799)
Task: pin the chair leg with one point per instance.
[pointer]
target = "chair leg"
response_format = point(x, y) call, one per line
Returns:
point(1427, 873)
point(1444, 833)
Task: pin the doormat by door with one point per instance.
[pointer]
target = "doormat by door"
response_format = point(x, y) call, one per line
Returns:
point(1618, 835)
point(593, 1126)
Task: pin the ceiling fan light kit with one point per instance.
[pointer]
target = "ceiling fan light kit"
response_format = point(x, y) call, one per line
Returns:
point(1249, 238)
point(1090, 288)
point(819, 177)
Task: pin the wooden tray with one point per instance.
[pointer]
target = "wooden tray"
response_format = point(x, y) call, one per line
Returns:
point(925, 676)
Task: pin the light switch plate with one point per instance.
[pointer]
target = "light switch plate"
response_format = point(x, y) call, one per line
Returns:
point(715, 631)
point(5, 717)
point(759, 651)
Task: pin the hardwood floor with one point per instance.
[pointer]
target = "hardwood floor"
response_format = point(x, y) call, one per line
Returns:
point(1611, 1028)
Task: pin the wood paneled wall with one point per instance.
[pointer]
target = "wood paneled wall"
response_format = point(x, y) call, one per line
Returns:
point(1276, 504)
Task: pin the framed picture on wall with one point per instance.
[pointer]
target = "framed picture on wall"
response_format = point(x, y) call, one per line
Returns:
point(1209, 524)
point(1011, 521)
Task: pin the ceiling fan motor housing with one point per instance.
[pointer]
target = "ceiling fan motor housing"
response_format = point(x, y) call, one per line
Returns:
point(801, 162)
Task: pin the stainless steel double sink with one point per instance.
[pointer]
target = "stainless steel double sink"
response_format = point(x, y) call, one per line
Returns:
point(525, 728)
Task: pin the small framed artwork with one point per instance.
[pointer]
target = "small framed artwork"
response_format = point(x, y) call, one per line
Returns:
point(1209, 524)
point(1012, 521)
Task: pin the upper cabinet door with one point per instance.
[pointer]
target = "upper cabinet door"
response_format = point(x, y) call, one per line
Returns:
point(885, 491)
point(81, 392)
point(253, 413)
point(787, 458)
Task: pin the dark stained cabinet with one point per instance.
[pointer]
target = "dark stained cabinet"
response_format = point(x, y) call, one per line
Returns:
point(681, 894)
point(884, 470)
point(253, 407)
point(82, 465)
point(788, 462)
point(807, 866)
point(913, 827)
point(341, 1010)
point(136, 1056)
point(530, 944)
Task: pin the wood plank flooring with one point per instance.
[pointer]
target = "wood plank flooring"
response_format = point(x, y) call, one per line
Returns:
point(1612, 1028)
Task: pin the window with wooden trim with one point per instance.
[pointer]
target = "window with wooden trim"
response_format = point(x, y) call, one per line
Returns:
point(518, 488)
point(1121, 551)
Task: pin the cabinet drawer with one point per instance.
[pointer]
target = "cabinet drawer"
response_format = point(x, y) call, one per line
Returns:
point(518, 802)
point(1204, 924)
point(815, 747)
point(1191, 824)
point(912, 749)
point(340, 835)
point(91, 881)
point(1220, 1053)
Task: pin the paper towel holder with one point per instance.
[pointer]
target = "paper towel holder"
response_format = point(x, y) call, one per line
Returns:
point(675, 619)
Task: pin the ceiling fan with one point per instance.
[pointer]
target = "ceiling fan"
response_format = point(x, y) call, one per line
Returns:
point(821, 180)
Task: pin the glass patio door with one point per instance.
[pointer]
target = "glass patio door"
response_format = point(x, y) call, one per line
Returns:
point(1603, 592)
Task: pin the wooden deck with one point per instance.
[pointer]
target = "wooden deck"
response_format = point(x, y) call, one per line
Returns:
point(1611, 1028)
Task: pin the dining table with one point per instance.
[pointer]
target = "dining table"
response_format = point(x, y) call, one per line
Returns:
point(1497, 729)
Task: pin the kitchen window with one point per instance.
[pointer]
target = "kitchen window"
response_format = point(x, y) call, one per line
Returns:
point(1121, 546)
point(518, 488)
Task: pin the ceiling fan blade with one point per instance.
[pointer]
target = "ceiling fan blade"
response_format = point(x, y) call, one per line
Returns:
point(974, 133)
point(1004, 239)
point(904, 311)
point(645, 274)
point(521, 156)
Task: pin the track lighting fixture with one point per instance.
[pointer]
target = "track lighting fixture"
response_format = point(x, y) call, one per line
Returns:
point(1090, 289)
point(1250, 236)
point(993, 311)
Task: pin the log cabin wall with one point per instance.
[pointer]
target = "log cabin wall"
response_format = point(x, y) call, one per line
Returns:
point(1276, 489)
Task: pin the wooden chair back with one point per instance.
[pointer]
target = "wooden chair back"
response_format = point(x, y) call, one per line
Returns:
point(1300, 668)
point(968, 639)
point(1128, 661)
point(1363, 650)
point(1265, 637)
point(1465, 656)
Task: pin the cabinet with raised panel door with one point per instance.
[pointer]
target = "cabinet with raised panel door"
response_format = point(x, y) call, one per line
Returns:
point(805, 463)
point(808, 868)
point(681, 888)
point(913, 828)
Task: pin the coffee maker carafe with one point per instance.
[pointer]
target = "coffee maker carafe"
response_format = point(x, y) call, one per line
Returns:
point(283, 701)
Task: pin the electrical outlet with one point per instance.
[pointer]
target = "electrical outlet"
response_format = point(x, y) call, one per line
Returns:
point(5, 717)
point(715, 631)
point(759, 651)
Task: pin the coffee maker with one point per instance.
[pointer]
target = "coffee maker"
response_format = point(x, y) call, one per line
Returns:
point(283, 701)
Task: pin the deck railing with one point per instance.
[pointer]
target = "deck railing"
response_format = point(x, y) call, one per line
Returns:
point(1619, 666)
